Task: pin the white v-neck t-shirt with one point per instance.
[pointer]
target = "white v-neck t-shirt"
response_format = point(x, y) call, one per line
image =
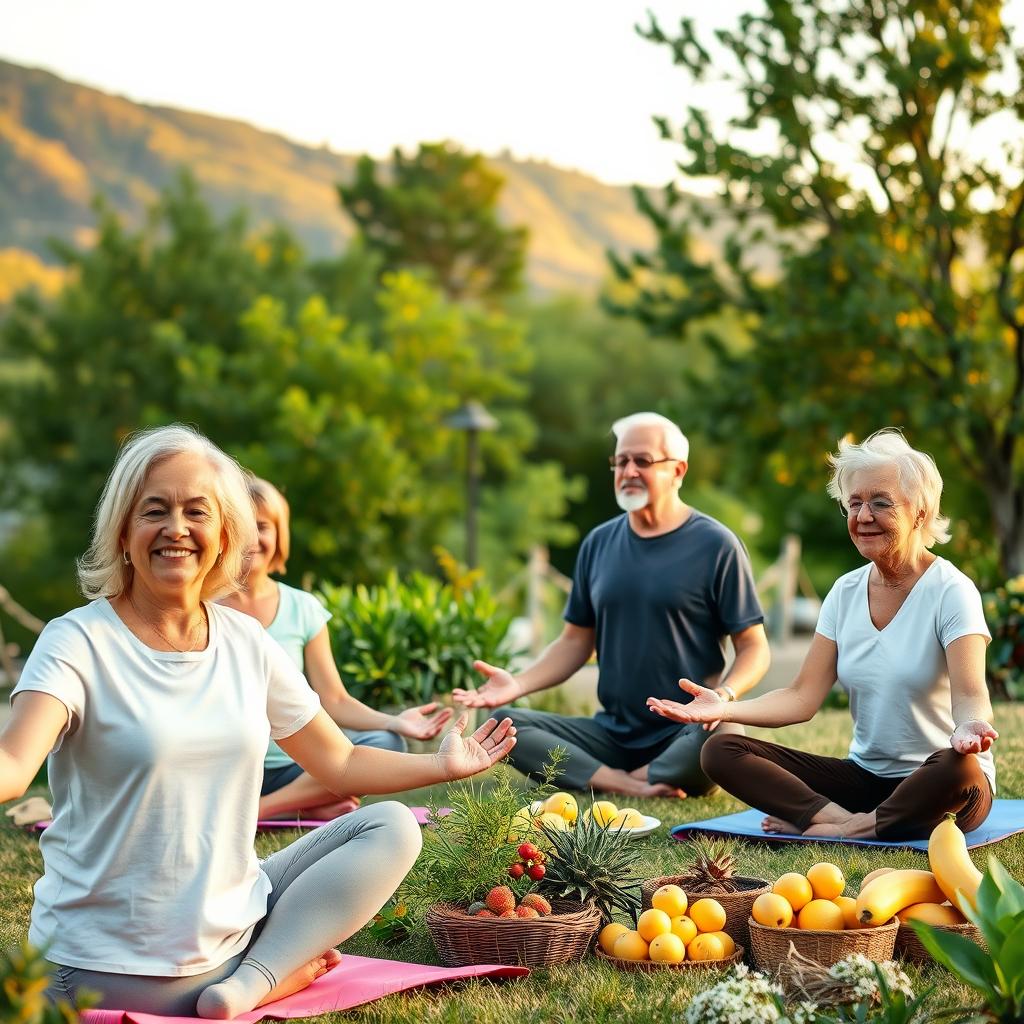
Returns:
point(896, 677)
point(149, 863)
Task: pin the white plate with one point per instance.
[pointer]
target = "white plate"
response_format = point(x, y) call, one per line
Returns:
point(650, 824)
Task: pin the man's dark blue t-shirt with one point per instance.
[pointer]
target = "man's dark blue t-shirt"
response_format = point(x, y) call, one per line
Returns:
point(662, 608)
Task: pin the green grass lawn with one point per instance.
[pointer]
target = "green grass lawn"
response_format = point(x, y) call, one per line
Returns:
point(592, 991)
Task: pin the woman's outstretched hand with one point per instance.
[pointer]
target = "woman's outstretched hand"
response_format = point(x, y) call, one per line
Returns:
point(461, 756)
point(706, 705)
point(423, 722)
point(973, 737)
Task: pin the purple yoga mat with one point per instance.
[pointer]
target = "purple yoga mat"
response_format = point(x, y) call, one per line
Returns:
point(356, 980)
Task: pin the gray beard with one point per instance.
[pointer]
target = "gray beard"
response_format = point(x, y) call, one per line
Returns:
point(632, 501)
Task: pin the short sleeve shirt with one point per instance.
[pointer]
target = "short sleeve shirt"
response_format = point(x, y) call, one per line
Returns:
point(661, 608)
point(300, 617)
point(896, 677)
point(149, 866)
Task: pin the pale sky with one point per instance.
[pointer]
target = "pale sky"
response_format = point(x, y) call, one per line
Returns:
point(567, 81)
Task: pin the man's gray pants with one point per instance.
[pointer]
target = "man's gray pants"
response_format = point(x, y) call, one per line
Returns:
point(588, 745)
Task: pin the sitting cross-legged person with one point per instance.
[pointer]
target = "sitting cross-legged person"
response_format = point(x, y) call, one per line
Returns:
point(905, 636)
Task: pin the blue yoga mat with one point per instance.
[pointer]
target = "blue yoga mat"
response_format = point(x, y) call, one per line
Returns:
point(1006, 819)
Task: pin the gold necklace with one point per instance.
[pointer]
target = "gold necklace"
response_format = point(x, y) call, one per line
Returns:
point(160, 633)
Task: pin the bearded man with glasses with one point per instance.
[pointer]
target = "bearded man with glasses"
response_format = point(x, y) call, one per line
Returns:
point(656, 591)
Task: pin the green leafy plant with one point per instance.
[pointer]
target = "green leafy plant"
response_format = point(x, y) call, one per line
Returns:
point(468, 849)
point(390, 925)
point(1004, 612)
point(408, 641)
point(593, 863)
point(24, 977)
point(998, 974)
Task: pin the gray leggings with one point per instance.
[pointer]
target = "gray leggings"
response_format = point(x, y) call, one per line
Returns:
point(326, 886)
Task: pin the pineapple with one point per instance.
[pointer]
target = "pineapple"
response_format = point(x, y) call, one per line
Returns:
point(593, 865)
point(713, 866)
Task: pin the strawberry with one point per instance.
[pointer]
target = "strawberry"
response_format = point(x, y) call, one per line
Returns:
point(485, 913)
point(500, 899)
point(508, 913)
point(536, 871)
point(516, 871)
point(535, 900)
point(528, 851)
point(523, 911)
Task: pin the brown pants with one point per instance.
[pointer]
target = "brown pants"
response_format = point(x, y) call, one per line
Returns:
point(794, 786)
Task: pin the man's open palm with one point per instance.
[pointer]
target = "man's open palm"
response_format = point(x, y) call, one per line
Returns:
point(500, 688)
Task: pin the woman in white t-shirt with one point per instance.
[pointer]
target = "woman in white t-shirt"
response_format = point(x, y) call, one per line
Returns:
point(905, 636)
point(154, 706)
point(298, 622)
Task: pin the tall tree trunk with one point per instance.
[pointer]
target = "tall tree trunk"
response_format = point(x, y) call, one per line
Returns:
point(1007, 504)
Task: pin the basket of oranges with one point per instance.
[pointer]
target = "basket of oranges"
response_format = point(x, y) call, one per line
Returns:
point(811, 913)
point(671, 934)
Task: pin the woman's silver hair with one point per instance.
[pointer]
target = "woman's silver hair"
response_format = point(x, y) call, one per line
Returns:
point(102, 571)
point(919, 479)
point(673, 440)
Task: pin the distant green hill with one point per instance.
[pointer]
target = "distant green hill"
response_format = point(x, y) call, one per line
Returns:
point(61, 143)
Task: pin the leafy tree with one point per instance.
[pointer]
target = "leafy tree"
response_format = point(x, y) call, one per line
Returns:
point(862, 154)
point(437, 211)
point(195, 320)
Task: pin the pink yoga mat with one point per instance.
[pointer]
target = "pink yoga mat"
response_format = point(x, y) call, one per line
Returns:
point(356, 980)
point(422, 816)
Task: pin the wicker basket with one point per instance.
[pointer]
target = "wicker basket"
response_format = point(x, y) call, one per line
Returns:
point(650, 965)
point(770, 946)
point(908, 945)
point(561, 937)
point(737, 905)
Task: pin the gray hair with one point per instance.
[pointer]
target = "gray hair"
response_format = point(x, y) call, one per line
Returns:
point(917, 473)
point(102, 571)
point(673, 440)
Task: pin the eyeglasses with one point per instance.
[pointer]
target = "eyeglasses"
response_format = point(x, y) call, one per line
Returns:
point(640, 461)
point(877, 507)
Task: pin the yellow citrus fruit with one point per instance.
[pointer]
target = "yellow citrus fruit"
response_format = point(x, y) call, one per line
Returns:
point(827, 881)
point(821, 916)
point(553, 821)
point(608, 934)
point(706, 947)
point(727, 941)
point(521, 825)
point(795, 889)
point(932, 913)
point(772, 910)
point(872, 875)
point(604, 812)
point(671, 899)
point(652, 923)
point(667, 949)
point(708, 915)
point(563, 804)
point(628, 817)
point(684, 928)
point(848, 905)
point(630, 946)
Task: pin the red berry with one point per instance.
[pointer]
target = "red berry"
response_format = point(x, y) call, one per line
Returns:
point(528, 851)
point(536, 871)
point(516, 871)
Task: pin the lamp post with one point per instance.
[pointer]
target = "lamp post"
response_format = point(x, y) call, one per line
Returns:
point(472, 418)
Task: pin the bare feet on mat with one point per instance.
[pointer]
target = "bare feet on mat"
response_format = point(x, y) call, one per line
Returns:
point(303, 977)
point(325, 812)
point(772, 824)
point(855, 826)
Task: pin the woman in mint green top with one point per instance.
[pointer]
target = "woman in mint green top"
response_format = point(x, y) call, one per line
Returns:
point(298, 622)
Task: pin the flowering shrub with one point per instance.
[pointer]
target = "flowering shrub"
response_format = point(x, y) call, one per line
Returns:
point(1004, 612)
point(859, 972)
point(745, 997)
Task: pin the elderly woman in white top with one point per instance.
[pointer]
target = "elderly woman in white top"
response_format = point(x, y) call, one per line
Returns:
point(905, 636)
point(155, 705)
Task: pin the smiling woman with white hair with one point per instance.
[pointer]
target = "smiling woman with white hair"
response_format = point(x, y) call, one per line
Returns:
point(154, 706)
point(905, 636)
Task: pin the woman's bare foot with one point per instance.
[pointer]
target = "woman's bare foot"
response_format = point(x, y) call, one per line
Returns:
point(773, 824)
point(325, 812)
point(303, 977)
point(855, 826)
